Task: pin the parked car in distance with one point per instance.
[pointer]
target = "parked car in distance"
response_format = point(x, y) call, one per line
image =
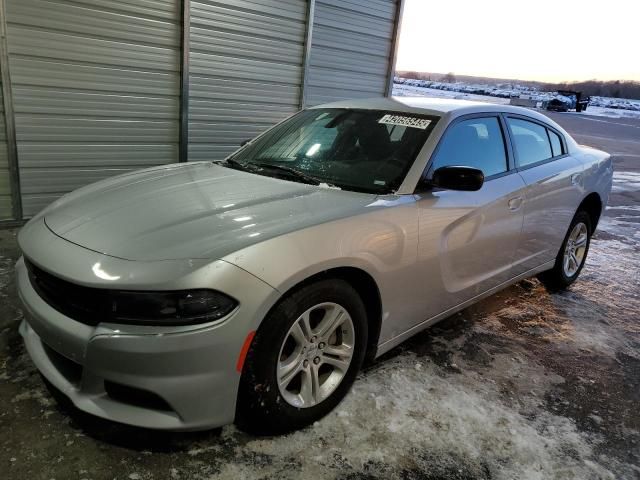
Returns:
point(190, 296)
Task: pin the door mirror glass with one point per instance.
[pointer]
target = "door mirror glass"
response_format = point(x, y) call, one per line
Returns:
point(458, 178)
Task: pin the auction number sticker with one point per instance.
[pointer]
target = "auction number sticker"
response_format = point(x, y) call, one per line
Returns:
point(405, 121)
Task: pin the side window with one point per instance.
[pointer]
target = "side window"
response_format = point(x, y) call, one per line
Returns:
point(476, 143)
point(531, 141)
point(556, 143)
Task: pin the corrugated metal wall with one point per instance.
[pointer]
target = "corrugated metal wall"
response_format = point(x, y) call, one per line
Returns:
point(96, 90)
point(96, 84)
point(352, 44)
point(5, 187)
point(246, 61)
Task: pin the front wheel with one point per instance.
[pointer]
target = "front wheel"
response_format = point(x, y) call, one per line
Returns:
point(303, 359)
point(572, 255)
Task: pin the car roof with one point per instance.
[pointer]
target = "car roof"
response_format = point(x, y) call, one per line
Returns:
point(430, 106)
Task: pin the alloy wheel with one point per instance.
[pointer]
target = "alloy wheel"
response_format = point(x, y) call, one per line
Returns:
point(575, 249)
point(315, 355)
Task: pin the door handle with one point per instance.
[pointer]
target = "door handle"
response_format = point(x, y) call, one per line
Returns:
point(515, 203)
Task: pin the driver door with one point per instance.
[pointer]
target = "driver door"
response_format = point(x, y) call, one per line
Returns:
point(467, 239)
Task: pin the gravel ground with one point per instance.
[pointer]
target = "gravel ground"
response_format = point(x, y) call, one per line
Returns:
point(524, 385)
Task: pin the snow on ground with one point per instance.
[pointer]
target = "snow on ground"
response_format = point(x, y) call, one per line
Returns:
point(6, 267)
point(600, 106)
point(608, 112)
point(447, 424)
point(411, 91)
point(626, 181)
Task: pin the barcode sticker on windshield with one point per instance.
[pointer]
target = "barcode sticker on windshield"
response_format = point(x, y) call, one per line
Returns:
point(402, 120)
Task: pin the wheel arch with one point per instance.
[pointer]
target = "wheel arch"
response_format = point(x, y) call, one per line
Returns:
point(592, 204)
point(366, 287)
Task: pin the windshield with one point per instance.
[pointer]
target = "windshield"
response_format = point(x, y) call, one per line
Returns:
point(361, 150)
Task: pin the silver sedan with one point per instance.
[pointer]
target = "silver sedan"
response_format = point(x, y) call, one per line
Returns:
point(252, 289)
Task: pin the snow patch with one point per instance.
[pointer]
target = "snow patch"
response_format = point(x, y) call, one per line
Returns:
point(591, 317)
point(6, 269)
point(428, 419)
point(34, 394)
point(626, 182)
point(409, 91)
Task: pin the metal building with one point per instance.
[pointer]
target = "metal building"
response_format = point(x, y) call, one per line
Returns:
point(94, 88)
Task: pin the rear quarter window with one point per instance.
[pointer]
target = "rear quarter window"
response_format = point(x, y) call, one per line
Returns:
point(556, 143)
point(530, 140)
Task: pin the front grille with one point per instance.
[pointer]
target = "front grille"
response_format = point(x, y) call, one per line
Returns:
point(84, 304)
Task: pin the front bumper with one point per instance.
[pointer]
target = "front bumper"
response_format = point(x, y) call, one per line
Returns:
point(192, 370)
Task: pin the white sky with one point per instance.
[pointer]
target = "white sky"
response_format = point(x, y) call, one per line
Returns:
point(528, 40)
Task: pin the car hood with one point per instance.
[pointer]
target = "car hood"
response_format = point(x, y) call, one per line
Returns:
point(193, 210)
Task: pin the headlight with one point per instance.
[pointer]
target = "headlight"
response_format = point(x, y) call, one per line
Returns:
point(169, 308)
point(94, 305)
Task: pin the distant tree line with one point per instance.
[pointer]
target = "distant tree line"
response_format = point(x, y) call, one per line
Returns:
point(616, 89)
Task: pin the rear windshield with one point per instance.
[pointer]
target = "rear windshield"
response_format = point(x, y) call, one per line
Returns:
point(360, 150)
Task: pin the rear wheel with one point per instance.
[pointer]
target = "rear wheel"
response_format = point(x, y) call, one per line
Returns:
point(303, 359)
point(572, 255)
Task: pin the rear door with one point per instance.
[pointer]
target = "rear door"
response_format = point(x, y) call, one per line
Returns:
point(553, 193)
point(468, 239)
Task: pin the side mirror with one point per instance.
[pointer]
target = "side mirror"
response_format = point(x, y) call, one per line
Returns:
point(458, 178)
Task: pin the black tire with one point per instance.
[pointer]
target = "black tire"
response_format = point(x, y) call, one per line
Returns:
point(556, 279)
point(261, 408)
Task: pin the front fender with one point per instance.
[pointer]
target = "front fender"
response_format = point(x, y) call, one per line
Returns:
point(383, 244)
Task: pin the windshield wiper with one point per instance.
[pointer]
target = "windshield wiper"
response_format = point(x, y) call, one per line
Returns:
point(291, 172)
point(295, 173)
point(230, 162)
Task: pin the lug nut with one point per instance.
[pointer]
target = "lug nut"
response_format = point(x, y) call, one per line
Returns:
point(313, 339)
point(321, 346)
point(316, 360)
point(305, 364)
